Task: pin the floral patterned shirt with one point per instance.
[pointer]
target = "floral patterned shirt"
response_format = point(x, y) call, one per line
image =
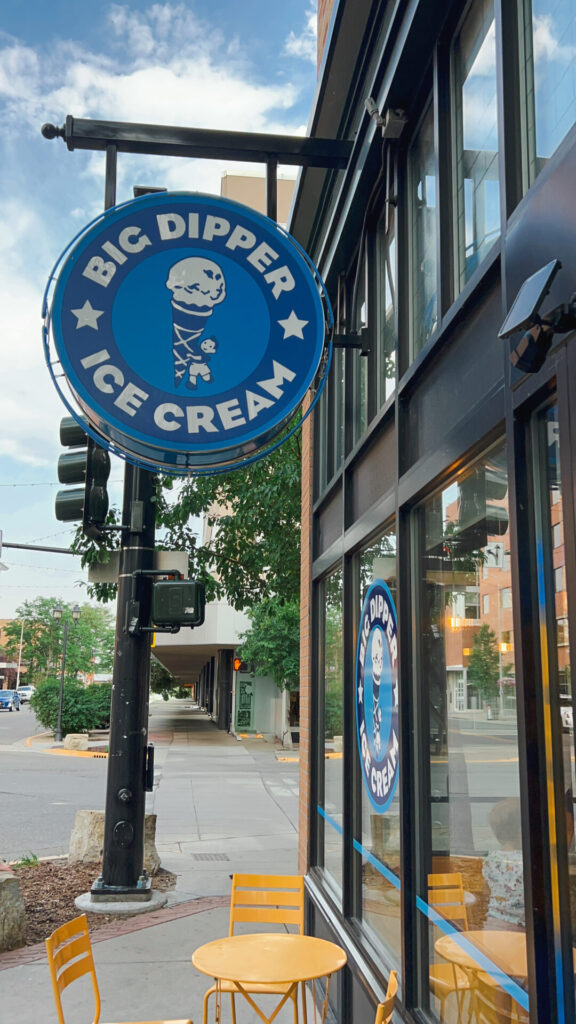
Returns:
point(504, 872)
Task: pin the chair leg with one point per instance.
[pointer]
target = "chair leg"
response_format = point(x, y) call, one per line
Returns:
point(233, 1008)
point(442, 1008)
point(304, 1007)
point(205, 1010)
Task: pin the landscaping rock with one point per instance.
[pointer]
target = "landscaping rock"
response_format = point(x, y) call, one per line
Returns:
point(87, 839)
point(12, 913)
point(76, 741)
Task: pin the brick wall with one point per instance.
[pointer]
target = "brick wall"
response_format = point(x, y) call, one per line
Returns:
point(324, 15)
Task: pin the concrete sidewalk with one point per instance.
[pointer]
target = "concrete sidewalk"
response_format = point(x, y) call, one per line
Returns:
point(223, 805)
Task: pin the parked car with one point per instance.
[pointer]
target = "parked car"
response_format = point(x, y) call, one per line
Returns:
point(25, 692)
point(9, 700)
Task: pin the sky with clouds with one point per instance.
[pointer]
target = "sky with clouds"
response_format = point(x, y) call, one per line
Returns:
point(202, 63)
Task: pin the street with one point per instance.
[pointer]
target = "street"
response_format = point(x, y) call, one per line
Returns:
point(40, 792)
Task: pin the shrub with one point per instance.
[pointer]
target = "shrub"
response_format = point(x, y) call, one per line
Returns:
point(83, 708)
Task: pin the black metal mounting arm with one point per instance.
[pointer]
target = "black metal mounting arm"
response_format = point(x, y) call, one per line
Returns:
point(561, 319)
point(206, 143)
point(360, 341)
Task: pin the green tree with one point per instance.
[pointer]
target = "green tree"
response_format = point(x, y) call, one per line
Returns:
point(90, 642)
point(254, 517)
point(272, 644)
point(83, 707)
point(252, 554)
point(484, 663)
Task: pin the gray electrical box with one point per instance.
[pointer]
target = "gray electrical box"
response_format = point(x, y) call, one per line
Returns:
point(178, 603)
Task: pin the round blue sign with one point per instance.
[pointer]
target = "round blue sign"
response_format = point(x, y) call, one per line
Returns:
point(188, 327)
point(377, 695)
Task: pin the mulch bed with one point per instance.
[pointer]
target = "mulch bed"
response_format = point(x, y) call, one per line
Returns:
point(50, 887)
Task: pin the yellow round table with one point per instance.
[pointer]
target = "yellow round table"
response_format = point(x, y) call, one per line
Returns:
point(268, 959)
point(505, 949)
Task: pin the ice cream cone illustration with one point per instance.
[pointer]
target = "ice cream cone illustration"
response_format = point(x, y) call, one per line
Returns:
point(197, 285)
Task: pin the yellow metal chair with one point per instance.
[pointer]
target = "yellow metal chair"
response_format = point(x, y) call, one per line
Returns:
point(385, 1010)
point(69, 958)
point(446, 896)
point(264, 899)
point(494, 1006)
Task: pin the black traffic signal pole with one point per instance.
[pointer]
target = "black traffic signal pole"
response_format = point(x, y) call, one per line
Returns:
point(122, 867)
point(123, 854)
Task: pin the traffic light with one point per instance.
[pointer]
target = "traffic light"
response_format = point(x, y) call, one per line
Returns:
point(87, 464)
point(242, 666)
point(478, 517)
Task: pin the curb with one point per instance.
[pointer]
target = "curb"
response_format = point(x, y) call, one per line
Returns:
point(116, 929)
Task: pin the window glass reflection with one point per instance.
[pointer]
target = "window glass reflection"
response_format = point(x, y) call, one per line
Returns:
point(331, 803)
point(478, 191)
point(473, 862)
point(552, 75)
point(424, 229)
point(386, 295)
point(379, 842)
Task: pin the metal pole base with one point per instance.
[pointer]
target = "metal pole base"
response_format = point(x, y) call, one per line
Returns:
point(141, 892)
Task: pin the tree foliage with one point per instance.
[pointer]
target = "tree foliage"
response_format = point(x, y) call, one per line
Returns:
point(484, 663)
point(254, 517)
point(83, 707)
point(272, 644)
point(251, 556)
point(163, 682)
point(89, 646)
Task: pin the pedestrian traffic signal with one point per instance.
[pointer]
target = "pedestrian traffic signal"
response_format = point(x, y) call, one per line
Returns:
point(178, 603)
point(243, 666)
point(88, 464)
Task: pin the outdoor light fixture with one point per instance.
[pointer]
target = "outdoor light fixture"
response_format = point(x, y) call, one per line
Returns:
point(531, 351)
point(57, 614)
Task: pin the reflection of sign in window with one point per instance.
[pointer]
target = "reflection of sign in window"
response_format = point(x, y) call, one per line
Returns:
point(245, 699)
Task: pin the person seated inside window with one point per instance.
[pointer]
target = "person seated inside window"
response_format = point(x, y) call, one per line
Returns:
point(503, 869)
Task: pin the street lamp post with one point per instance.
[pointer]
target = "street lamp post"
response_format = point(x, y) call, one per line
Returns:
point(57, 613)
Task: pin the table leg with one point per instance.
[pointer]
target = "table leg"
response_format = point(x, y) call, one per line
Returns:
point(325, 1003)
point(267, 1020)
point(218, 1004)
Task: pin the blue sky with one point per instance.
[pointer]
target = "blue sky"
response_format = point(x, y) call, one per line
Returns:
point(218, 64)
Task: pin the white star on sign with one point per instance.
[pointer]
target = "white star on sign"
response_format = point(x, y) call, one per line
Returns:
point(293, 327)
point(360, 693)
point(87, 316)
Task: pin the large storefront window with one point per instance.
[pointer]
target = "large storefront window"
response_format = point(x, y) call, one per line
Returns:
point(379, 842)
point(478, 195)
point(424, 234)
point(551, 76)
point(472, 879)
point(331, 790)
point(556, 675)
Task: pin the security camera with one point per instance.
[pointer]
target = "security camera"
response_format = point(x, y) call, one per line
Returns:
point(532, 349)
point(371, 107)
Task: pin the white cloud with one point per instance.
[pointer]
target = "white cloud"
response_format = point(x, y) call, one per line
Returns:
point(305, 44)
point(169, 68)
point(546, 46)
